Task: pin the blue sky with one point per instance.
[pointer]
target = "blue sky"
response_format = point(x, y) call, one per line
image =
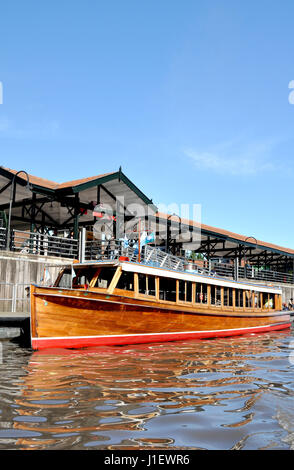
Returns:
point(190, 97)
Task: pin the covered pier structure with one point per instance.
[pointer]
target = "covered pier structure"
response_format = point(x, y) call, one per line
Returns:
point(42, 205)
point(39, 216)
point(217, 243)
point(227, 250)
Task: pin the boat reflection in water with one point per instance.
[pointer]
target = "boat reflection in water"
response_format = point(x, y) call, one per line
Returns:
point(212, 394)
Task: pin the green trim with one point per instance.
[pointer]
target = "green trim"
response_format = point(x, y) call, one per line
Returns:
point(239, 242)
point(42, 189)
point(120, 176)
point(23, 182)
point(93, 183)
point(253, 245)
point(136, 190)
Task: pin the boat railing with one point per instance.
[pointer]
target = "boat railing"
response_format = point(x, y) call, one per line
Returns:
point(157, 257)
point(103, 250)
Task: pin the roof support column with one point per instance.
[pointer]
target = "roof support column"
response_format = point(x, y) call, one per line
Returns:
point(33, 212)
point(76, 215)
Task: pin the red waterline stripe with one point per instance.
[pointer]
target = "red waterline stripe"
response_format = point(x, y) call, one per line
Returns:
point(82, 341)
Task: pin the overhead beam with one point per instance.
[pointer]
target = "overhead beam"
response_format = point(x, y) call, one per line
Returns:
point(113, 197)
point(5, 187)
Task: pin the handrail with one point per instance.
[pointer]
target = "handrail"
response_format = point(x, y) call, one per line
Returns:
point(2, 238)
point(43, 244)
point(50, 245)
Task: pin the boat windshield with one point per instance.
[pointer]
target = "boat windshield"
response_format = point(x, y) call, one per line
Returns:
point(81, 277)
point(75, 277)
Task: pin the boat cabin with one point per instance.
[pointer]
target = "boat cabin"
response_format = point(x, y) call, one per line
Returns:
point(161, 285)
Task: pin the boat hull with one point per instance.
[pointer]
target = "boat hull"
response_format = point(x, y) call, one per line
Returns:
point(77, 318)
point(111, 340)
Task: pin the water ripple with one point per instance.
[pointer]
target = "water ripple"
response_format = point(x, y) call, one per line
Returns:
point(234, 393)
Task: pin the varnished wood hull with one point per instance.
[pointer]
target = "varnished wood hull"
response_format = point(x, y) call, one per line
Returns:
point(77, 318)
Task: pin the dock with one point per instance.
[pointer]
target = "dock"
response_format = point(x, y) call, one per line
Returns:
point(13, 318)
point(14, 325)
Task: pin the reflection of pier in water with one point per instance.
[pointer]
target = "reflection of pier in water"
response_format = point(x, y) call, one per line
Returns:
point(72, 397)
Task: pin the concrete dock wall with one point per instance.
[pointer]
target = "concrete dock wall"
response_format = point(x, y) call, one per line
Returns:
point(288, 293)
point(17, 271)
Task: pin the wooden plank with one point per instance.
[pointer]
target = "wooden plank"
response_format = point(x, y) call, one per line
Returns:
point(114, 280)
point(95, 277)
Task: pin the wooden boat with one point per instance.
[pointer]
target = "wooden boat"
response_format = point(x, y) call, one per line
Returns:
point(121, 302)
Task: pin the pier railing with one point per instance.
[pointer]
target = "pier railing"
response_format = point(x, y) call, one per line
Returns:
point(113, 249)
point(56, 246)
point(265, 275)
point(14, 297)
point(2, 238)
point(43, 244)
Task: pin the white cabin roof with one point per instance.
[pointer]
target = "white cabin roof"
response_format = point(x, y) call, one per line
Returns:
point(183, 275)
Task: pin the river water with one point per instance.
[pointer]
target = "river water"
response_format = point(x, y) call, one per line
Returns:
point(220, 394)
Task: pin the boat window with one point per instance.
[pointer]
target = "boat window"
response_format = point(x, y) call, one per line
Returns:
point(65, 279)
point(257, 299)
point(268, 300)
point(248, 298)
point(146, 284)
point(201, 293)
point(239, 298)
point(151, 285)
point(185, 291)
point(228, 296)
point(76, 277)
point(182, 290)
point(265, 300)
point(218, 295)
point(142, 283)
point(82, 276)
point(126, 281)
point(168, 289)
point(105, 277)
point(189, 286)
point(212, 295)
point(215, 295)
point(271, 300)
